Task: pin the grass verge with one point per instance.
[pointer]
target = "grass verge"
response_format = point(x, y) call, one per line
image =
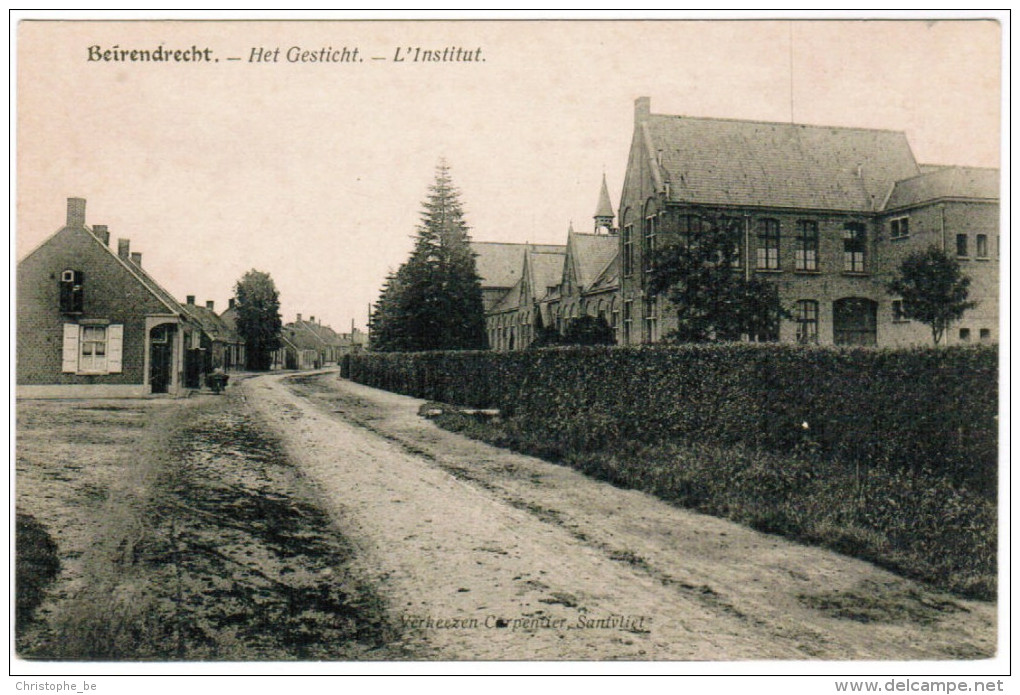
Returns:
point(915, 523)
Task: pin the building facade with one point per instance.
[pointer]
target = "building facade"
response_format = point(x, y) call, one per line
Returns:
point(92, 323)
point(826, 214)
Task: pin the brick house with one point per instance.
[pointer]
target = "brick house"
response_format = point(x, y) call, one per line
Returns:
point(825, 213)
point(92, 323)
point(236, 356)
point(220, 345)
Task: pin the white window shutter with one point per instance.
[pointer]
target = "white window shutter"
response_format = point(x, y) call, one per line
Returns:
point(70, 352)
point(114, 348)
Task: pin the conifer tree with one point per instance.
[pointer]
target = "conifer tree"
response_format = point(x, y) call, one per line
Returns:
point(434, 301)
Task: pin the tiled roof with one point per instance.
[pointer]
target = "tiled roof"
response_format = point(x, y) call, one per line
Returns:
point(608, 278)
point(302, 336)
point(945, 182)
point(212, 325)
point(499, 264)
point(509, 301)
point(749, 163)
point(546, 269)
point(590, 253)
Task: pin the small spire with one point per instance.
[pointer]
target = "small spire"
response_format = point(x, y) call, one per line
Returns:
point(604, 209)
point(570, 227)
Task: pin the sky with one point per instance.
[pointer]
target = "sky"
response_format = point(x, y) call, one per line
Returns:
point(315, 172)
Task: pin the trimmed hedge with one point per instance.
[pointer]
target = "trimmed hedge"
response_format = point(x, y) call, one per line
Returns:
point(929, 409)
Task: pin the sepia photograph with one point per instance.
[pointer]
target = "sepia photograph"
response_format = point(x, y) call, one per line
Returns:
point(441, 341)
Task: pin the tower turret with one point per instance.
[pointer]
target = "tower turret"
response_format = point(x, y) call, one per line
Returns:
point(604, 210)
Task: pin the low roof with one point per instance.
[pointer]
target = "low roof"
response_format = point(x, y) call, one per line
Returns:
point(212, 325)
point(945, 182)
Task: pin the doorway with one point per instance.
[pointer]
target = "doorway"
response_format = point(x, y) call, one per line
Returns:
point(161, 358)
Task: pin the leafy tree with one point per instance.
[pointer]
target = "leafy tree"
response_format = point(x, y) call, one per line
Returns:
point(434, 300)
point(258, 317)
point(700, 275)
point(588, 330)
point(933, 289)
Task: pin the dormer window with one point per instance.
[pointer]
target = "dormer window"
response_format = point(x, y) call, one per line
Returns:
point(72, 300)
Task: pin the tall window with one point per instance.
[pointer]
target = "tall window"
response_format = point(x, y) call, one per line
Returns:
point(733, 227)
point(71, 292)
point(854, 244)
point(982, 246)
point(768, 244)
point(690, 227)
point(807, 321)
point(651, 320)
point(899, 228)
point(648, 251)
point(961, 245)
point(807, 245)
point(628, 314)
point(628, 250)
point(897, 311)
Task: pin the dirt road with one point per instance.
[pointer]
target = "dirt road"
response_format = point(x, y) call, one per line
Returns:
point(481, 553)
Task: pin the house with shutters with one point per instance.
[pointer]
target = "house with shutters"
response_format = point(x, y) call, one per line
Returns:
point(92, 323)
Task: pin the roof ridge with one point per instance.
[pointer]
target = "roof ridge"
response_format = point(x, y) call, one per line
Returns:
point(782, 123)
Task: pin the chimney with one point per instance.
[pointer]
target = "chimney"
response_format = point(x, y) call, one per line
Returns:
point(311, 319)
point(642, 109)
point(124, 248)
point(299, 318)
point(103, 232)
point(136, 258)
point(231, 303)
point(190, 300)
point(75, 212)
point(209, 305)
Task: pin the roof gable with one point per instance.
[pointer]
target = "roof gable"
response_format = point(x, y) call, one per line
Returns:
point(546, 270)
point(500, 264)
point(109, 255)
point(589, 254)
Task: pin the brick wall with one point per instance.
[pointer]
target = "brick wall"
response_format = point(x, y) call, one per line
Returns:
point(111, 292)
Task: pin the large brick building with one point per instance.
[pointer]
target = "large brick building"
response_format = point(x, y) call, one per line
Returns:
point(827, 214)
point(92, 323)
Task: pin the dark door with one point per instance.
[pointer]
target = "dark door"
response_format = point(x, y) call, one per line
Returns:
point(854, 321)
point(193, 368)
point(160, 359)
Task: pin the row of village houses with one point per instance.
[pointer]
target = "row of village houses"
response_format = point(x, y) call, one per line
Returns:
point(91, 322)
point(826, 213)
